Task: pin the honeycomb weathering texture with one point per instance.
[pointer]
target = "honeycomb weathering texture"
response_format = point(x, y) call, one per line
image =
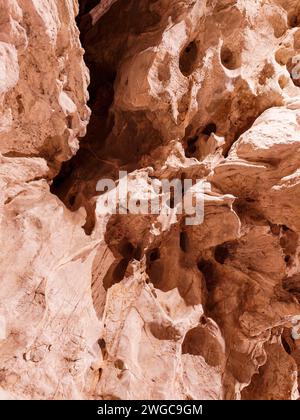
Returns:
point(128, 306)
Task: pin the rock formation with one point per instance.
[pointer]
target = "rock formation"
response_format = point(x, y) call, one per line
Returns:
point(144, 306)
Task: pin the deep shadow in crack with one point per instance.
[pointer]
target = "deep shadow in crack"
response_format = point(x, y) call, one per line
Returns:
point(107, 146)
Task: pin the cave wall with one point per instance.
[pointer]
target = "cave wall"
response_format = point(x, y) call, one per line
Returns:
point(128, 306)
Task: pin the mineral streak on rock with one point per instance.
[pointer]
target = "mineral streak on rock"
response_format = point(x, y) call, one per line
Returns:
point(130, 306)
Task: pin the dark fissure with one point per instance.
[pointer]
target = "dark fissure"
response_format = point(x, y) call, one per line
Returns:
point(75, 184)
point(107, 146)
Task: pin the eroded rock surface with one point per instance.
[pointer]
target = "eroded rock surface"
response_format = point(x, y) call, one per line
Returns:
point(101, 306)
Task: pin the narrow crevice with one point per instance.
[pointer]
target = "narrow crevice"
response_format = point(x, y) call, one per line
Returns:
point(75, 184)
point(107, 146)
point(102, 345)
point(285, 345)
point(208, 270)
point(183, 241)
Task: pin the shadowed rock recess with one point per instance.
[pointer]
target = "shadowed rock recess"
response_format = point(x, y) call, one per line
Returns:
point(129, 306)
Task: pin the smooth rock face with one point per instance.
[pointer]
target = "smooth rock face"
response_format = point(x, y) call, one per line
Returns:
point(129, 306)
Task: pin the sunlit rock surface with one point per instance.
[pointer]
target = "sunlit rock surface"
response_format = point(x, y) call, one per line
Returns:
point(128, 306)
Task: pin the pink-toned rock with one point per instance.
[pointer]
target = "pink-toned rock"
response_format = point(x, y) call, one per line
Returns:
point(96, 305)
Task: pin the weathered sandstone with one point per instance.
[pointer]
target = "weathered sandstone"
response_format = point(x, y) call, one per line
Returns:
point(124, 306)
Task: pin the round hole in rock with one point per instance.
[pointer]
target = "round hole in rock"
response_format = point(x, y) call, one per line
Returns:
point(188, 59)
point(154, 254)
point(287, 258)
point(209, 129)
point(279, 24)
point(221, 254)
point(266, 73)
point(102, 343)
point(191, 147)
point(282, 55)
point(119, 364)
point(200, 342)
point(275, 229)
point(293, 20)
point(283, 81)
point(228, 58)
point(162, 332)
point(126, 249)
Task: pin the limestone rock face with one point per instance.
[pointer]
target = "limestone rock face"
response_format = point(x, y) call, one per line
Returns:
point(96, 305)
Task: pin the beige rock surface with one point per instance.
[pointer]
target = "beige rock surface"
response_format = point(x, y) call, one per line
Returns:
point(126, 306)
